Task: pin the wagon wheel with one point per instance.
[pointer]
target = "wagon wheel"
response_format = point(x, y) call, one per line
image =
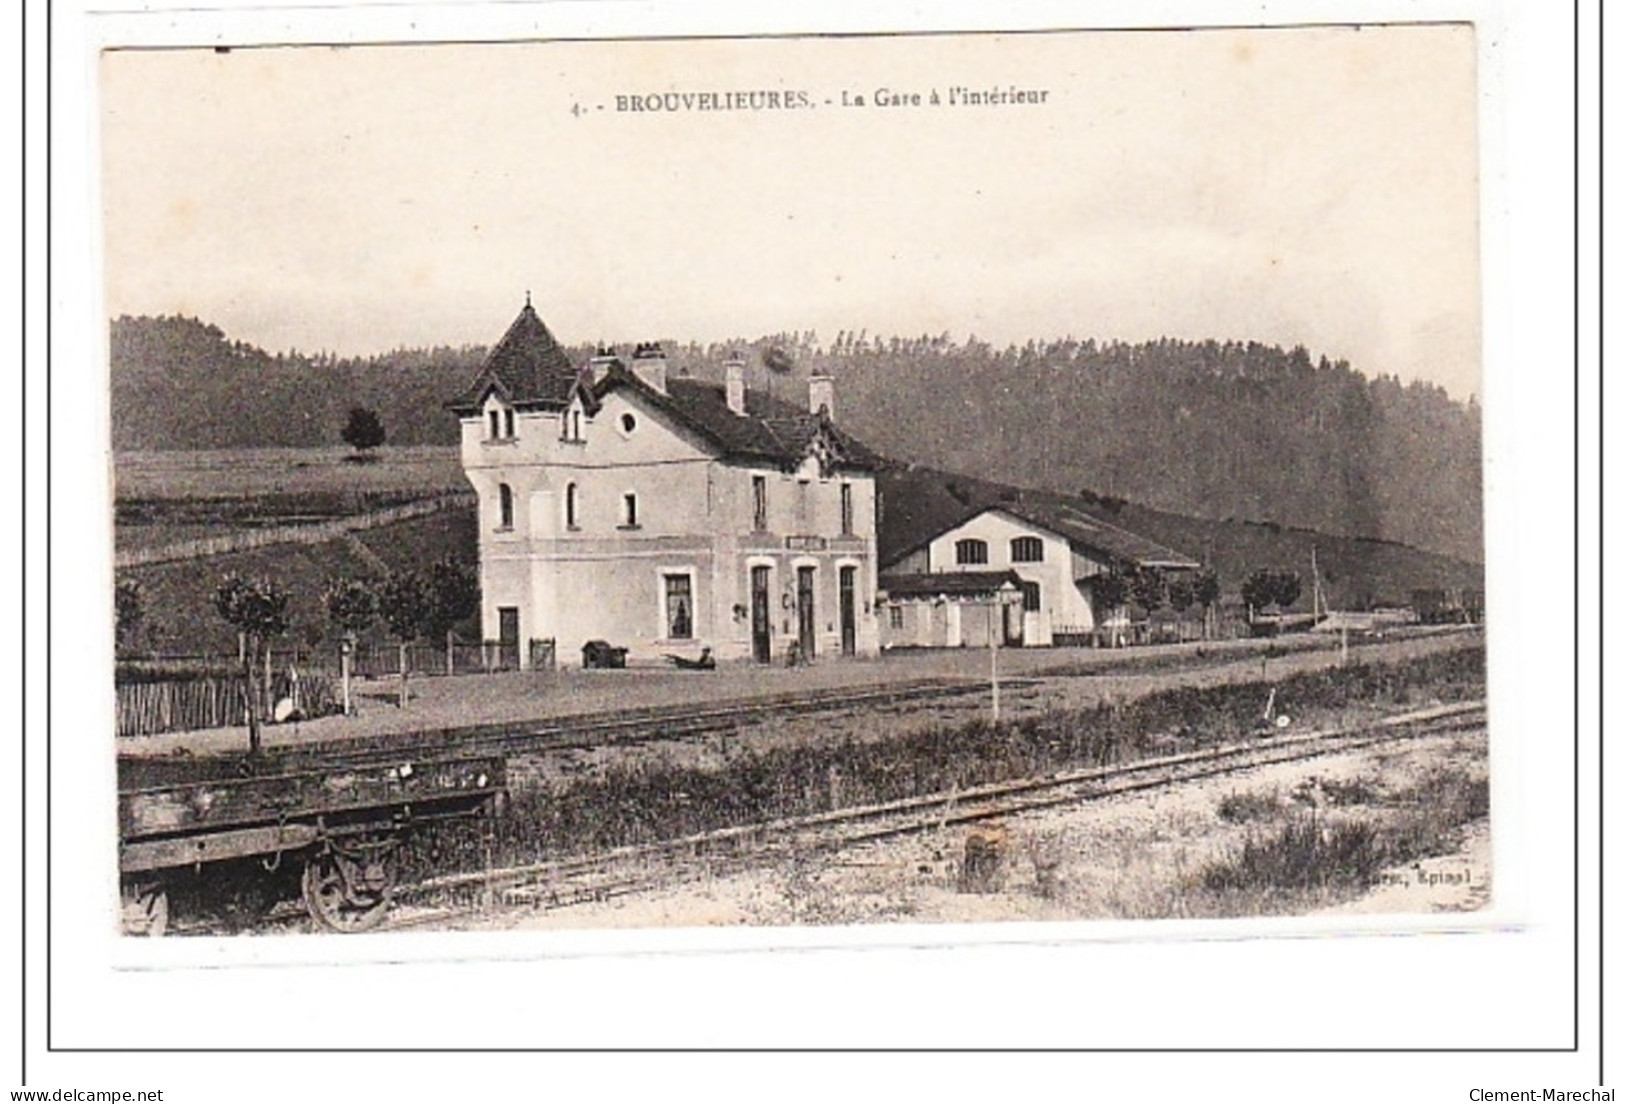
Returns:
point(347, 887)
point(145, 909)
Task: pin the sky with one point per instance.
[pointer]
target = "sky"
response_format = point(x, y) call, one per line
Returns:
point(1290, 186)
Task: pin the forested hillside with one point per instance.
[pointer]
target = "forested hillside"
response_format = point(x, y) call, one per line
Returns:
point(1212, 429)
point(178, 383)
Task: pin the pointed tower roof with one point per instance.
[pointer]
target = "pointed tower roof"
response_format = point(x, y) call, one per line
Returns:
point(527, 368)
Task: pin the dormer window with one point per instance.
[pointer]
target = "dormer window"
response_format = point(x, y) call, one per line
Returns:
point(572, 424)
point(499, 422)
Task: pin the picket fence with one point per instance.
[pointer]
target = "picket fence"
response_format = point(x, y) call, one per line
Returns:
point(206, 692)
point(183, 705)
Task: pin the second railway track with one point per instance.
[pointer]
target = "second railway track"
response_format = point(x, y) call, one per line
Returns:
point(628, 870)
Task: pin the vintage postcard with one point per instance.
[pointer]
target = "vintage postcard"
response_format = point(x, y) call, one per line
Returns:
point(790, 481)
point(625, 530)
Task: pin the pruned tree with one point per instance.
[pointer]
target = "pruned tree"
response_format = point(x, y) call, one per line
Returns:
point(403, 602)
point(258, 609)
point(1270, 587)
point(1181, 592)
point(1288, 586)
point(1181, 597)
point(1149, 586)
point(453, 596)
point(364, 431)
point(352, 607)
point(1205, 589)
point(1111, 590)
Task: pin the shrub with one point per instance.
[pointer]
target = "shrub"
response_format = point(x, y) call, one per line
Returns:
point(1239, 808)
point(1305, 853)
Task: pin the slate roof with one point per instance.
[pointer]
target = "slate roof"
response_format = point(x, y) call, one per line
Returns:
point(527, 368)
point(770, 429)
point(920, 504)
point(948, 584)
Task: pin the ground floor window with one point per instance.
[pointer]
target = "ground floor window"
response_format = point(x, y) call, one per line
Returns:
point(679, 607)
point(896, 617)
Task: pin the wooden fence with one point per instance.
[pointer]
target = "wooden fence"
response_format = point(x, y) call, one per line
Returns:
point(1179, 631)
point(180, 693)
point(317, 532)
point(182, 705)
point(369, 659)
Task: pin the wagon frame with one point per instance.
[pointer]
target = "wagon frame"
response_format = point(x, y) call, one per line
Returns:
point(344, 820)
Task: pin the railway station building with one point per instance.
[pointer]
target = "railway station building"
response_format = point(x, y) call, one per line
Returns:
point(671, 516)
point(965, 560)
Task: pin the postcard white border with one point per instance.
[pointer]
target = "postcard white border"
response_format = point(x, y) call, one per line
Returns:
point(1417, 990)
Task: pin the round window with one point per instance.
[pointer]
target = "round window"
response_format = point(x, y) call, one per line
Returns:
point(629, 422)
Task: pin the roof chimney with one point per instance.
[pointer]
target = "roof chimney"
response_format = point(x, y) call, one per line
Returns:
point(821, 395)
point(601, 363)
point(734, 370)
point(649, 363)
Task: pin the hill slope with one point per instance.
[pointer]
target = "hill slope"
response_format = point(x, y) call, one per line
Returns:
point(1211, 429)
point(1355, 572)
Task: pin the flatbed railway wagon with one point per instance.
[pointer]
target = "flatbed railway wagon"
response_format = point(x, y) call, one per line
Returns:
point(344, 821)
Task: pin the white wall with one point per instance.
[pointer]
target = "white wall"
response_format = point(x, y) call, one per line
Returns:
point(1062, 603)
point(602, 579)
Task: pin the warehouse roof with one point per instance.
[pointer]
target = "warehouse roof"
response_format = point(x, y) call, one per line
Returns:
point(920, 504)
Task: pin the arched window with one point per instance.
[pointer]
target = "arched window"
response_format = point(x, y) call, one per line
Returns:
point(1027, 550)
point(505, 505)
point(571, 506)
point(970, 551)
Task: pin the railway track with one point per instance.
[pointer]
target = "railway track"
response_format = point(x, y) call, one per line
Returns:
point(633, 869)
point(579, 732)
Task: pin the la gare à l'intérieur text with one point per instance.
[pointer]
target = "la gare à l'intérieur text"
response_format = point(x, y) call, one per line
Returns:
point(794, 99)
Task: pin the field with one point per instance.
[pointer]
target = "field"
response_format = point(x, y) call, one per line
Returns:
point(179, 597)
point(270, 472)
point(168, 498)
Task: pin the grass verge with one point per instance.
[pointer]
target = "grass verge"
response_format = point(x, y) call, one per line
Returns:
point(655, 799)
point(1317, 858)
